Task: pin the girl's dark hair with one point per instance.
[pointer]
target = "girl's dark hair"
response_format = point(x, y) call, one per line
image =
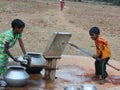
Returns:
point(94, 30)
point(17, 23)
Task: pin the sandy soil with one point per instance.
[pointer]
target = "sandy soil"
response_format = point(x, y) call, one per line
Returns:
point(42, 18)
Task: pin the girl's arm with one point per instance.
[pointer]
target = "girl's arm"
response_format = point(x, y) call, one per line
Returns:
point(8, 52)
point(22, 45)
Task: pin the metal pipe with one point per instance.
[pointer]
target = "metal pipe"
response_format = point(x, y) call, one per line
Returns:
point(90, 54)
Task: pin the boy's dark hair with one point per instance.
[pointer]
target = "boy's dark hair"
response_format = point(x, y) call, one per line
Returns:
point(94, 30)
point(17, 23)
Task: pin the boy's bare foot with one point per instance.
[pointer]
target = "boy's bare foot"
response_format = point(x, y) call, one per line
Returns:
point(102, 81)
point(95, 77)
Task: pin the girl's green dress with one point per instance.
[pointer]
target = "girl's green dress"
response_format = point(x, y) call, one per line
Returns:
point(6, 37)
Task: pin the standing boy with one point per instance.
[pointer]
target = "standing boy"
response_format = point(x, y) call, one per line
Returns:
point(102, 52)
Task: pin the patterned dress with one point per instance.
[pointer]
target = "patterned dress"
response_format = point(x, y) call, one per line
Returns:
point(6, 37)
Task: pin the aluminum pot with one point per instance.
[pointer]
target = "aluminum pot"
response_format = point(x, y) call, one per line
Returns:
point(32, 69)
point(88, 87)
point(16, 76)
point(36, 63)
point(71, 88)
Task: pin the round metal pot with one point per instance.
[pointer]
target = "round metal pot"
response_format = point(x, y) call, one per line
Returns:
point(16, 76)
point(88, 87)
point(71, 88)
point(32, 69)
point(34, 64)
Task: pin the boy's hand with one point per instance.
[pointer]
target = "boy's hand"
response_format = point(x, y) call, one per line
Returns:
point(94, 56)
point(98, 59)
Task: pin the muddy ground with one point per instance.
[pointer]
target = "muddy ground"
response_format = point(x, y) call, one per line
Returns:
point(73, 71)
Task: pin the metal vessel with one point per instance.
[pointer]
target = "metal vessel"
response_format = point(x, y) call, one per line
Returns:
point(88, 87)
point(71, 88)
point(36, 63)
point(16, 76)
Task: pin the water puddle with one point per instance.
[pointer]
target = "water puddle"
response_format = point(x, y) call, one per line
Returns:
point(73, 74)
point(66, 75)
point(115, 79)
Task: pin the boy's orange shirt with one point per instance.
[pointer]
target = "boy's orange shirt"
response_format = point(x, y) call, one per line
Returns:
point(102, 48)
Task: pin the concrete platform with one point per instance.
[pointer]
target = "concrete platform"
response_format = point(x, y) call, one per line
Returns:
point(73, 71)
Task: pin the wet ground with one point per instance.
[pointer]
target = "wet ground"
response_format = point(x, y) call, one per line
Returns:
point(73, 71)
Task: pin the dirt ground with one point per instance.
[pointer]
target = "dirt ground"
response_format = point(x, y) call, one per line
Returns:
point(43, 17)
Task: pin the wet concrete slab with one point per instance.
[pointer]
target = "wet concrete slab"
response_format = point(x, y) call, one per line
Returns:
point(73, 71)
